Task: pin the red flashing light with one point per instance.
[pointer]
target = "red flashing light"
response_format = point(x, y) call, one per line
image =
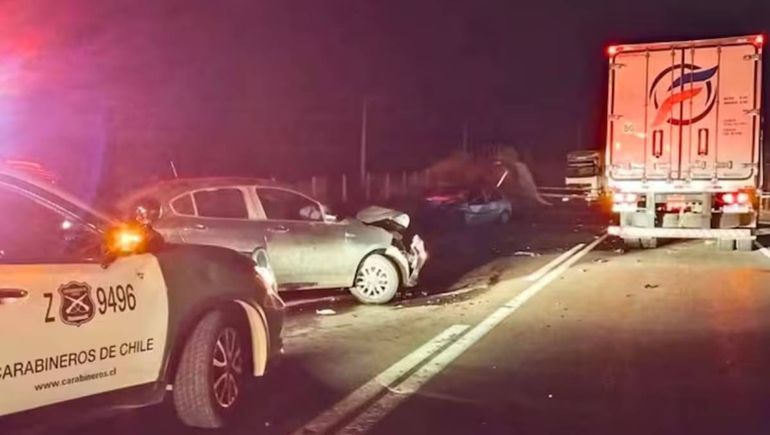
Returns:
point(728, 198)
point(612, 50)
point(759, 40)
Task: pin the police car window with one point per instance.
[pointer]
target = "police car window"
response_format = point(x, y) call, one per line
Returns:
point(183, 205)
point(221, 203)
point(32, 232)
point(281, 204)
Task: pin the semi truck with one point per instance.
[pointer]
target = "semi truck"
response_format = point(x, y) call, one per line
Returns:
point(584, 173)
point(684, 140)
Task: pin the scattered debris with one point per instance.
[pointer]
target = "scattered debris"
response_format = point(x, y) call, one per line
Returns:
point(525, 254)
point(600, 260)
point(325, 312)
point(651, 285)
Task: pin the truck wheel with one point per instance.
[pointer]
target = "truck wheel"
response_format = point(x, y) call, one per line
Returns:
point(725, 244)
point(211, 379)
point(377, 280)
point(632, 243)
point(649, 243)
point(744, 245)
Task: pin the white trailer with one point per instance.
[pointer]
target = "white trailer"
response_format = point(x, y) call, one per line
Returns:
point(684, 140)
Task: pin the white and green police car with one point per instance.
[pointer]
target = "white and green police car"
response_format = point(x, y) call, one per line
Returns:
point(84, 329)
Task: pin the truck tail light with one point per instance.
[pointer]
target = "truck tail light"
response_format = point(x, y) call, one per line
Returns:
point(624, 202)
point(612, 50)
point(728, 198)
point(742, 198)
point(759, 40)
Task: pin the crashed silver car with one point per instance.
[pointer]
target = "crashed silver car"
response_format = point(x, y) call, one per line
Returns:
point(308, 247)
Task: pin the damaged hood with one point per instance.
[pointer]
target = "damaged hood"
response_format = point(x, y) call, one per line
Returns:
point(374, 215)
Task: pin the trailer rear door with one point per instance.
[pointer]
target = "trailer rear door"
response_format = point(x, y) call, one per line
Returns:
point(685, 112)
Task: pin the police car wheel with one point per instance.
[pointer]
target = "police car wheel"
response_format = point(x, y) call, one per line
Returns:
point(211, 379)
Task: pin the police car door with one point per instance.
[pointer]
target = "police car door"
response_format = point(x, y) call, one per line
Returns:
point(70, 328)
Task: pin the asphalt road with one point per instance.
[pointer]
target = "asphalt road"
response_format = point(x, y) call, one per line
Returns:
point(542, 326)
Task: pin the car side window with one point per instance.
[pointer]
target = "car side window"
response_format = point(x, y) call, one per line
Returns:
point(183, 205)
point(221, 203)
point(280, 204)
point(31, 232)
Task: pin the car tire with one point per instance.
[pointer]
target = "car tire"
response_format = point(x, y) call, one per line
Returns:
point(210, 381)
point(377, 280)
point(505, 217)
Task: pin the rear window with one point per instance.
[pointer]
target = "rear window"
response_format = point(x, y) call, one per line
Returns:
point(183, 205)
point(221, 203)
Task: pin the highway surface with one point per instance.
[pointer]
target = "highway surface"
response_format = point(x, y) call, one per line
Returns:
point(543, 326)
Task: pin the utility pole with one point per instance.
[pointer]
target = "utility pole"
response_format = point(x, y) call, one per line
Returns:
point(465, 137)
point(362, 168)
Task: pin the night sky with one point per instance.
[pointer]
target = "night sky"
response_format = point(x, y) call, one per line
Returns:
point(107, 92)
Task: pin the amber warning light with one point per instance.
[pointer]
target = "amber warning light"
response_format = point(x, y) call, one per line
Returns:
point(126, 239)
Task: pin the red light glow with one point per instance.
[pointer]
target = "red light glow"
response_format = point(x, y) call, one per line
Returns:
point(743, 198)
point(612, 50)
point(759, 41)
point(728, 198)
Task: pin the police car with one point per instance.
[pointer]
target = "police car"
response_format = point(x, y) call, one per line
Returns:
point(94, 317)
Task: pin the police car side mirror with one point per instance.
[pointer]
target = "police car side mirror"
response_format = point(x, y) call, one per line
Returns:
point(146, 211)
point(126, 239)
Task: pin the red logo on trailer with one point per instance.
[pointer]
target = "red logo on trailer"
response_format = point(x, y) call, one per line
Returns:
point(678, 84)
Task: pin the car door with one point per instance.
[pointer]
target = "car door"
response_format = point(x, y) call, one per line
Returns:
point(69, 326)
point(305, 251)
point(221, 218)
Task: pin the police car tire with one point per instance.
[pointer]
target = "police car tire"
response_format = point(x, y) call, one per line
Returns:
point(193, 393)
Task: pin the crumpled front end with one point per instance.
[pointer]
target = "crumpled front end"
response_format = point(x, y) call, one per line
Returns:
point(410, 259)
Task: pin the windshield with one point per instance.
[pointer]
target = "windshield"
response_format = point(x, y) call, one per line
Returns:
point(385, 217)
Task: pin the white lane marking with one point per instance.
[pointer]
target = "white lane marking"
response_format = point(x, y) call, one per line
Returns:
point(330, 418)
point(534, 276)
point(300, 302)
point(378, 410)
point(762, 249)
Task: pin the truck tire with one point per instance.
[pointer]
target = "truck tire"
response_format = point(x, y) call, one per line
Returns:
point(211, 379)
point(632, 243)
point(744, 245)
point(649, 243)
point(725, 244)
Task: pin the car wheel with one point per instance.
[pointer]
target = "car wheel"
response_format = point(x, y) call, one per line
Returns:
point(214, 366)
point(505, 217)
point(377, 280)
